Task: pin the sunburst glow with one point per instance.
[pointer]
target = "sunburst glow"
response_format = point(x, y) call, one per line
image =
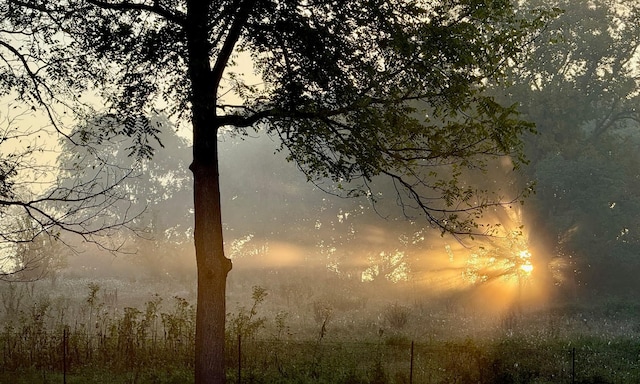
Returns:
point(493, 273)
point(528, 268)
point(525, 261)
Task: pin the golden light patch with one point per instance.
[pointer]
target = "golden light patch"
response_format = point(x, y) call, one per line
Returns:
point(495, 272)
point(283, 254)
point(525, 261)
point(528, 268)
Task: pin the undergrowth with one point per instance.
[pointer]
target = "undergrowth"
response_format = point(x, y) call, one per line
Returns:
point(154, 344)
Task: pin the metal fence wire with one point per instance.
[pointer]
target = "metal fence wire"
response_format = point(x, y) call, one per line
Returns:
point(507, 361)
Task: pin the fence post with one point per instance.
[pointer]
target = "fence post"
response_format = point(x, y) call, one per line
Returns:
point(65, 347)
point(573, 365)
point(239, 357)
point(411, 365)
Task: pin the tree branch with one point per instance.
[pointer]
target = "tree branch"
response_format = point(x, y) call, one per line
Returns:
point(235, 30)
point(156, 8)
point(37, 83)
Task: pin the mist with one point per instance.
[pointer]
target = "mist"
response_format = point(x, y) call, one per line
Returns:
point(287, 234)
point(321, 272)
point(294, 238)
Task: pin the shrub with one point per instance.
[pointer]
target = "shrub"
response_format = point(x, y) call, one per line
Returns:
point(396, 316)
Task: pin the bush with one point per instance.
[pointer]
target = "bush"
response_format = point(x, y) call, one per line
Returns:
point(396, 316)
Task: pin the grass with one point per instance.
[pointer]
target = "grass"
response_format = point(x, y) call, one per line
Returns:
point(270, 361)
point(97, 376)
point(154, 344)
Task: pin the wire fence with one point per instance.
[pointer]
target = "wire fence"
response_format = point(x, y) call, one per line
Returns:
point(385, 361)
point(409, 362)
point(65, 349)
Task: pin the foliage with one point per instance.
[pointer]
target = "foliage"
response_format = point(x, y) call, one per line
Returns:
point(121, 342)
point(243, 323)
point(505, 361)
point(331, 95)
point(580, 88)
point(396, 316)
point(123, 349)
point(346, 87)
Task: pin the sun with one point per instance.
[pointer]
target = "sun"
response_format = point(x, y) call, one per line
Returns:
point(500, 272)
point(528, 268)
point(524, 261)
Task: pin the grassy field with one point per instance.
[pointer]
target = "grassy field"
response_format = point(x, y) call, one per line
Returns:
point(510, 361)
point(88, 336)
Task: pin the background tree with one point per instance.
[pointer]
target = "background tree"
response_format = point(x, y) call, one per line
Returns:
point(340, 86)
point(157, 189)
point(34, 208)
point(580, 87)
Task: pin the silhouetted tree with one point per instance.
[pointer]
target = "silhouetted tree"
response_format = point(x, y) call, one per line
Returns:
point(580, 87)
point(354, 89)
point(35, 208)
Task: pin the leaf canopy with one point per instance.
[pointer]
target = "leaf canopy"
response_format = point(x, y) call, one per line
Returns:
point(354, 89)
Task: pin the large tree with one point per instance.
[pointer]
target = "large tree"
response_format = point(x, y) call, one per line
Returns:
point(356, 90)
point(580, 86)
point(35, 208)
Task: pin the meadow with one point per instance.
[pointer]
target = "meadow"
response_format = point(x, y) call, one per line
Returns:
point(113, 331)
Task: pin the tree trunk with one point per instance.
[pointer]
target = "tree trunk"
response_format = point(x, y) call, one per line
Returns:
point(212, 264)
point(213, 267)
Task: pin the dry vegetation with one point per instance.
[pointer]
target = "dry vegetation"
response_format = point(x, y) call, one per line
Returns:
point(306, 326)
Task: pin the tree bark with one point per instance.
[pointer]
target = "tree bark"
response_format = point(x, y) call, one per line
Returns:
point(212, 264)
point(213, 268)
